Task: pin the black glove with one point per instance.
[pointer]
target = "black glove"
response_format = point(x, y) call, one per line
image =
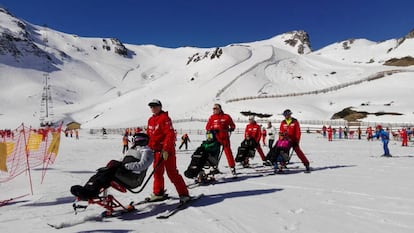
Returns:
point(231, 129)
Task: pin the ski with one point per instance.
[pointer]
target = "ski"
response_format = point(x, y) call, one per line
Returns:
point(269, 169)
point(76, 221)
point(179, 207)
point(148, 200)
point(198, 184)
point(105, 214)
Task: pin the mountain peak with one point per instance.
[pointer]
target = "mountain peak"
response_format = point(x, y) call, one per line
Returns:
point(299, 39)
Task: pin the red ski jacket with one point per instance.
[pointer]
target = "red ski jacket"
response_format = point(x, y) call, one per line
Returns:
point(253, 131)
point(292, 129)
point(161, 132)
point(221, 123)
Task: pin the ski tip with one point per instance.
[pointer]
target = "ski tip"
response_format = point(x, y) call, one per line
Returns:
point(56, 226)
point(197, 196)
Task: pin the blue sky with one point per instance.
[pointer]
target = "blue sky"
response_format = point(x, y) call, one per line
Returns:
point(212, 23)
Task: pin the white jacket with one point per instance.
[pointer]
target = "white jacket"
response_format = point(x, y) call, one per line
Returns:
point(145, 156)
point(271, 132)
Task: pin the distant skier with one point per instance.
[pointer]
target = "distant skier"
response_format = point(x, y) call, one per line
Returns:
point(264, 134)
point(404, 137)
point(125, 143)
point(271, 132)
point(330, 132)
point(384, 135)
point(369, 133)
point(184, 141)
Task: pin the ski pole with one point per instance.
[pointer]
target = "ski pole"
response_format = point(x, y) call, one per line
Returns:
point(221, 152)
point(290, 156)
point(149, 177)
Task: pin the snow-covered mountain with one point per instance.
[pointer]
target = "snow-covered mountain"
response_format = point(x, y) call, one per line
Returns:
point(101, 82)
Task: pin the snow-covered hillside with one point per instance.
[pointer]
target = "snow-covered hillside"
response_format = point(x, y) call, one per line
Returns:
point(96, 79)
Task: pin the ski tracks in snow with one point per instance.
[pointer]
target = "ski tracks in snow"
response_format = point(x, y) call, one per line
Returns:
point(260, 55)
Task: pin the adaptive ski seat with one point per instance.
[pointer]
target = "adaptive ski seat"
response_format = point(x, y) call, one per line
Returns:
point(113, 175)
point(205, 157)
point(246, 150)
point(279, 155)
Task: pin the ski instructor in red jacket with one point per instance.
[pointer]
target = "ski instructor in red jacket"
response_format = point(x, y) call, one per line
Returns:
point(162, 141)
point(222, 123)
point(291, 127)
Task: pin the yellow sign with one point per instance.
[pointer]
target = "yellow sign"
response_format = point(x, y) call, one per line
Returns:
point(34, 141)
point(54, 146)
point(6, 148)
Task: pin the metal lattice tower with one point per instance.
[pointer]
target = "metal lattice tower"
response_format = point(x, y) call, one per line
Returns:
point(46, 106)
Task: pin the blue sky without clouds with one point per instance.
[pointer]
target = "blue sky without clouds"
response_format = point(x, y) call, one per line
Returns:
point(212, 23)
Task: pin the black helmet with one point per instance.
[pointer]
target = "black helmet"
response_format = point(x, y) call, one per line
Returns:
point(287, 112)
point(141, 139)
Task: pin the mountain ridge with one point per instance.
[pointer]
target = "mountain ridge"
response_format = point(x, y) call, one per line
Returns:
point(94, 78)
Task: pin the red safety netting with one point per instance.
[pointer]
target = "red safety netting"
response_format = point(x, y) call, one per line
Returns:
point(24, 148)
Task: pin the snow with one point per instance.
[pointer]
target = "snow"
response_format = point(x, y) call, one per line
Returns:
point(351, 188)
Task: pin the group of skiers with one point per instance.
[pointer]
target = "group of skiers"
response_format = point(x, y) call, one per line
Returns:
point(157, 147)
point(379, 133)
point(70, 132)
point(223, 124)
point(6, 133)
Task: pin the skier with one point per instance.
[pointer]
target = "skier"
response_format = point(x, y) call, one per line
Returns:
point(222, 124)
point(346, 132)
point(129, 172)
point(125, 143)
point(324, 131)
point(204, 157)
point(404, 137)
point(359, 132)
point(264, 134)
point(330, 132)
point(162, 141)
point(369, 133)
point(340, 132)
point(184, 141)
point(278, 156)
point(271, 132)
point(253, 131)
point(246, 150)
point(291, 127)
point(380, 132)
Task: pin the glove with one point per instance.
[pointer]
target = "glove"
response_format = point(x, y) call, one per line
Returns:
point(164, 155)
point(128, 166)
point(231, 129)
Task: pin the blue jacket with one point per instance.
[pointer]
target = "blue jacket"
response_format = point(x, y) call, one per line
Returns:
point(383, 134)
